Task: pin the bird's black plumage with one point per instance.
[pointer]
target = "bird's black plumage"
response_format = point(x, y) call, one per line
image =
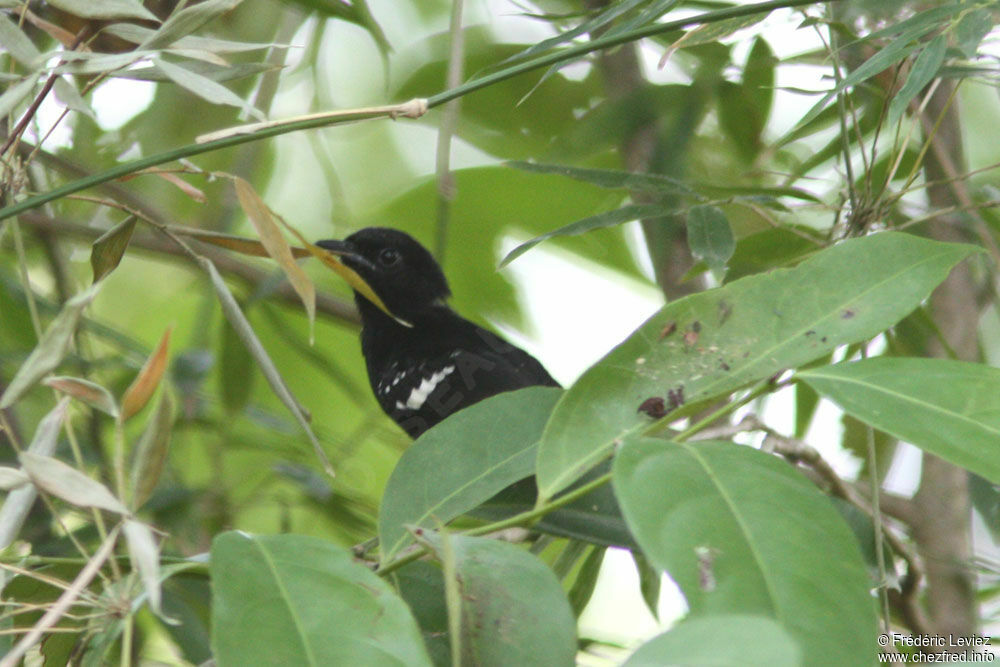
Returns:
point(422, 373)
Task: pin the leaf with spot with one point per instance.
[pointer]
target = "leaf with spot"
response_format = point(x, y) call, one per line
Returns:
point(710, 237)
point(107, 251)
point(708, 514)
point(712, 343)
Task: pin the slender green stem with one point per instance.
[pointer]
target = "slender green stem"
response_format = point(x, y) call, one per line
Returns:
point(446, 96)
point(761, 388)
point(522, 519)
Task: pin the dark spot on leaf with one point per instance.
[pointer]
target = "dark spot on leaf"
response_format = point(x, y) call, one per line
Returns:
point(774, 378)
point(823, 339)
point(847, 314)
point(668, 329)
point(696, 326)
point(706, 570)
point(675, 397)
point(654, 407)
point(725, 310)
point(810, 333)
point(690, 338)
point(723, 365)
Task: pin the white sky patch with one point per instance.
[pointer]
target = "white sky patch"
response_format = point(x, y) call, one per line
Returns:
point(572, 299)
point(117, 101)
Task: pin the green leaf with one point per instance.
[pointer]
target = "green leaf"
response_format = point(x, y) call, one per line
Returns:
point(50, 350)
point(924, 69)
point(586, 580)
point(599, 221)
point(421, 585)
point(236, 371)
point(710, 237)
point(86, 391)
point(65, 482)
point(611, 178)
point(749, 640)
point(105, 9)
point(463, 461)
point(949, 408)
point(150, 455)
point(711, 343)
point(743, 532)
point(205, 88)
point(297, 600)
point(15, 94)
point(16, 43)
point(107, 251)
point(186, 21)
point(513, 610)
point(971, 29)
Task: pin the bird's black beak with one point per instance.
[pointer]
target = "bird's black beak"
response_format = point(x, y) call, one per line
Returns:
point(348, 254)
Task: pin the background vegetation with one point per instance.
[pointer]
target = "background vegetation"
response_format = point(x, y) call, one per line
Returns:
point(819, 220)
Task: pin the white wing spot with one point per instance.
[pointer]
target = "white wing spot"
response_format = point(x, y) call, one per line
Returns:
point(420, 394)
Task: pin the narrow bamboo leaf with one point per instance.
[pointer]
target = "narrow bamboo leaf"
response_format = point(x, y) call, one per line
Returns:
point(705, 513)
point(18, 502)
point(586, 580)
point(971, 29)
point(750, 640)
point(107, 251)
point(599, 221)
point(137, 34)
point(144, 554)
point(711, 343)
point(67, 93)
point(62, 481)
point(513, 610)
point(239, 322)
point(105, 9)
point(348, 274)
point(711, 33)
point(584, 28)
point(296, 600)
point(205, 88)
point(17, 44)
point(270, 235)
point(461, 462)
point(207, 70)
point(236, 371)
point(924, 69)
point(186, 21)
point(89, 392)
point(886, 57)
point(650, 580)
point(710, 237)
point(15, 94)
point(611, 178)
point(50, 349)
point(12, 478)
point(81, 62)
point(949, 408)
point(150, 455)
point(148, 378)
point(244, 246)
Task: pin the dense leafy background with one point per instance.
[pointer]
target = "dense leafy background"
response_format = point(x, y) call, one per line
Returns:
point(174, 405)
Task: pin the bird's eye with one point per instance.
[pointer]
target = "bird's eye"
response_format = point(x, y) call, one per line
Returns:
point(388, 256)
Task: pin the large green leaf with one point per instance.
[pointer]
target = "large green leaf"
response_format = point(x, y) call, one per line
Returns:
point(513, 609)
point(713, 342)
point(462, 462)
point(742, 532)
point(297, 600)
point(949, 408)
point(749, 640)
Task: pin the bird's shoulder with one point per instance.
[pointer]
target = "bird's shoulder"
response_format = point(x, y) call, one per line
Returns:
point(447, 365)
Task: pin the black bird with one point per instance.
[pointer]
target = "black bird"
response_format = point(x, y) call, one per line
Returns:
point(440, 364)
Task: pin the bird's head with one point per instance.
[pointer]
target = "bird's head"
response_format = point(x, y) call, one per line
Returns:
point(398, 269)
